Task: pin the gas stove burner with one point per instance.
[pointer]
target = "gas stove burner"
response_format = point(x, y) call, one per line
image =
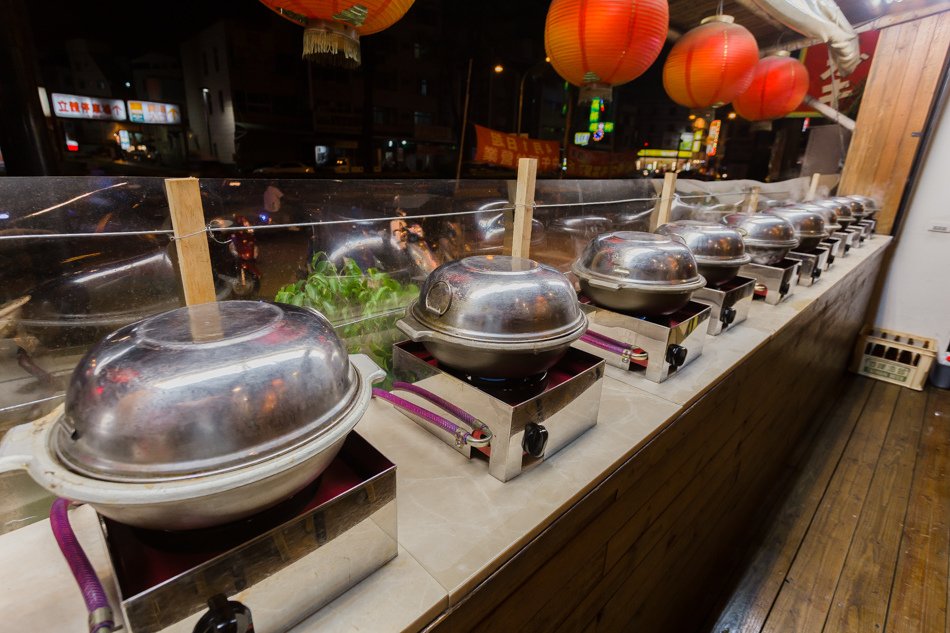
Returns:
point(729, 302)
point(343, 524)
point(685, 313)
point(655, 347)
point(220, 538)
point(508, 390)
point(529, 418)
point(776, 282)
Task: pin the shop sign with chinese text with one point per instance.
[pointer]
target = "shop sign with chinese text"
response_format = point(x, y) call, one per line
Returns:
point(152, 112)
point(499, 148)
point(79, 107)
point(824, 81)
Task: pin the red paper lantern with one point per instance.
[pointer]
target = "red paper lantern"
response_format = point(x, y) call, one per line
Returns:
point(779, 83)
point(332, 28)
point(711, 64)
point(598, 44)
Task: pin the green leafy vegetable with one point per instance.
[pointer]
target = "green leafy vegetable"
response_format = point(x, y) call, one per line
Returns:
point(363, 306)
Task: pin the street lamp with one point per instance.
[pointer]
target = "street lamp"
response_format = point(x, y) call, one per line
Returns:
point(496, 70)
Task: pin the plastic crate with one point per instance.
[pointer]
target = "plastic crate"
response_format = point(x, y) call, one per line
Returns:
point(895, 357)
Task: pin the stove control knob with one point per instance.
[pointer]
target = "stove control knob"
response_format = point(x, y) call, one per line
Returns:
point(676, 355)
point(535, 439)
point(784, 288)
point(727, 315)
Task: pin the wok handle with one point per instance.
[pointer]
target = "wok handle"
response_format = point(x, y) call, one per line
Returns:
point(369, 370)
point(16, 448)
point(408, 327)
point(599, 283)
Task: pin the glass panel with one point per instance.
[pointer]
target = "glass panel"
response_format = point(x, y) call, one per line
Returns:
point(569, 213)
point(355, 250)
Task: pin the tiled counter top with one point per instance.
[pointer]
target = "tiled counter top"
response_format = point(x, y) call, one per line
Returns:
point(457, 524)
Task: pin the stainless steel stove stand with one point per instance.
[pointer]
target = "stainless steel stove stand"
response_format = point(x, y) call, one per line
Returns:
point(846, 239)
point(812, 265)
point(668, 348)
point(859, 235)
point(835, 248)
point(728, 307)
point(523, 434)
point(778, 281)
point(868, 226)
point(290, 571)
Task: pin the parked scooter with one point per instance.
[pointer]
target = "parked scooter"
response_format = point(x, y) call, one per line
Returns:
point(234, 257)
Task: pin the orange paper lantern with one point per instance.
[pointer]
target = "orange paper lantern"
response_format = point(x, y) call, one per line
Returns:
point(711, 64)
point(332, 28)
point(598, 44)
point(779, 83)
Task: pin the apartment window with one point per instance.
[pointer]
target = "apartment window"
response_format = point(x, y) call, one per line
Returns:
point(424, 118)
point(221, 100)
point(217, 61)
point(204, 62)
point(424, 88)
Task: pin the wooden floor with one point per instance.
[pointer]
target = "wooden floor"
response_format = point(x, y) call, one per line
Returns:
point(858, 539)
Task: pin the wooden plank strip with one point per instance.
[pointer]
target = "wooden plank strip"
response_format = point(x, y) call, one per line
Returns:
point(909, 52)
point(907, 84)
point(817, 566)
point(661, 213)
point(915, 119)
point(194, 259)
point(524, 207)
point(919, 594)
point(896, 45)
point(860, 600)
point(861, 151)
point(759, 585)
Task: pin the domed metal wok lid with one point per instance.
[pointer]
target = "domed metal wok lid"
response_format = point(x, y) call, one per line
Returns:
point(856, 206)
point(806, 223)
point(711, 243)
point(498, 298)
point(831, 215)
point(762, 229)
point(633, 259)
point(202, 390)
point(840, 209)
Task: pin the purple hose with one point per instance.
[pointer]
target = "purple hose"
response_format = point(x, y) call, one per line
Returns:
point(100, 615)
point(434, 418)
point(606, 344)
point(438, 401)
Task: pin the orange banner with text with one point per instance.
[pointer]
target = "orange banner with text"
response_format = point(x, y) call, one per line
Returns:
point(582, 163)
point(499, 148)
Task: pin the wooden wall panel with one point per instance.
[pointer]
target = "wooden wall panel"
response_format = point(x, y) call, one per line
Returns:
point(899, 90)
point(649, 548)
